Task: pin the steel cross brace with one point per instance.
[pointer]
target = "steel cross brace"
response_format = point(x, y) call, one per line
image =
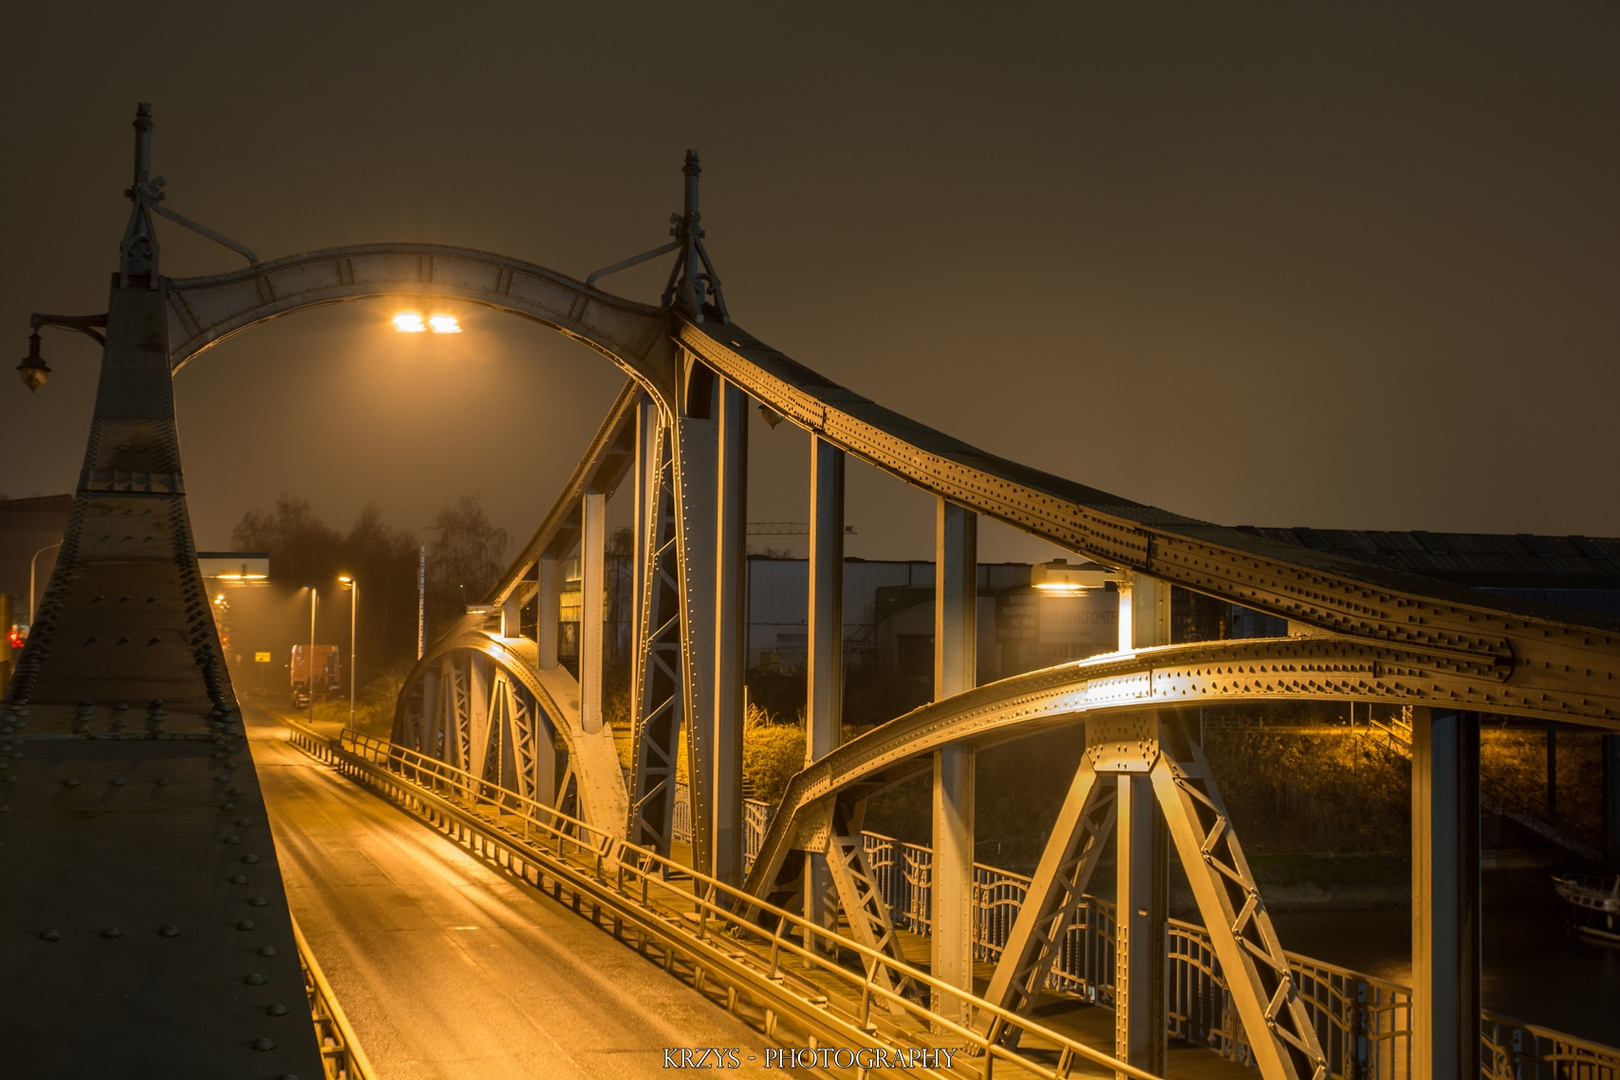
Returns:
point(659, 674)
point(1252, 959)
point(863, 903)
point(1055, 895)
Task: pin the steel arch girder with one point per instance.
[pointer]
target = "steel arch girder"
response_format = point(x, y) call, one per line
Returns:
point(1256, 669)
point(204, 311)
point(593, 760)
point(1562, 660)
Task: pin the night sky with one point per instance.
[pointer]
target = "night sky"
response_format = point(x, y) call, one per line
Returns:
point(1347, 266)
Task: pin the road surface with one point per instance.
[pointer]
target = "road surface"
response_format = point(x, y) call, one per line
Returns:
point(450, 970)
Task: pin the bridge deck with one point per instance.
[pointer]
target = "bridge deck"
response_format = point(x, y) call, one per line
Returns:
point(447, 967)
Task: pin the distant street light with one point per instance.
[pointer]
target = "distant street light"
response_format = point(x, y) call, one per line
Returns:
point(354, 607)
point(309, 661)
point(409, 322)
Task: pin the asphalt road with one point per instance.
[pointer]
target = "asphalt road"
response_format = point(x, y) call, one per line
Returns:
point(452, 971)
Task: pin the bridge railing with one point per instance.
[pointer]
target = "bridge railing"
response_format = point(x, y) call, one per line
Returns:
point(341, 1055)
point(756, 822)
point(721, 920)
point(1364, 1023)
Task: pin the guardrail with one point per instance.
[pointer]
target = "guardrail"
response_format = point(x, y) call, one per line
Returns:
point(756, 822)
point(1363, 1023)
point(341, 1056)
point(722, 933)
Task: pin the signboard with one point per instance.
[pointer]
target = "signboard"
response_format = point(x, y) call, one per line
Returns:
point(261, 658)
point(1091, 619)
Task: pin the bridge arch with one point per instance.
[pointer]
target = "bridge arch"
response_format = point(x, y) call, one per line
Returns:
point(205, 311)
point(480, 702)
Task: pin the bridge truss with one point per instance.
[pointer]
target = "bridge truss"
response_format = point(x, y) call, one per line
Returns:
point(489, 699)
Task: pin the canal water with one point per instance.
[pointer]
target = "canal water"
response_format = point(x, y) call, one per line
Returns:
point(1535, 968)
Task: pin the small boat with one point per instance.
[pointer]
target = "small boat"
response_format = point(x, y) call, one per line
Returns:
point(1594, 903)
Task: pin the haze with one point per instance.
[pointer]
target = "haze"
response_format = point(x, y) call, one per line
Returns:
point(1329, 265)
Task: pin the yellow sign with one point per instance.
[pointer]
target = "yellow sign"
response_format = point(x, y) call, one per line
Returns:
point(261, 658)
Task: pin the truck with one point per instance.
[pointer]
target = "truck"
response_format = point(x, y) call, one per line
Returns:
point(328, 678)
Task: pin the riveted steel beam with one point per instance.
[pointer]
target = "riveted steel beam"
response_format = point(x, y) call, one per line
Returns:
point(1558, 665)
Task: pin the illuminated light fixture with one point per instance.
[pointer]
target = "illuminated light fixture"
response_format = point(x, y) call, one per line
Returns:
point(1058, 578)
point(33, 370)
point(241, 577)
point(444, 324)
point(346, 579)
point(409, 323)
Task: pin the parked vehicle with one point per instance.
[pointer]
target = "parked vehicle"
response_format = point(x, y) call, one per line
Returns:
point(327, 676)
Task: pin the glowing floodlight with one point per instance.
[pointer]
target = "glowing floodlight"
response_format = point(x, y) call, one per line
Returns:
point(409, 323)
point(445, 324)
point(1058, 578)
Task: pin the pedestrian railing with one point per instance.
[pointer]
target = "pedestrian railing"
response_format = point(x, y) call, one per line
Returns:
point(717, 932)
point(1363, 1023)
point(341, 1056)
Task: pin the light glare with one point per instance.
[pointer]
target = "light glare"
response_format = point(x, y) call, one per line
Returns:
point(445, 324)
point(409, 323)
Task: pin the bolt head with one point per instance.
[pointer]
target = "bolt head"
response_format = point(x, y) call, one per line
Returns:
point(118, 781)
point(162, 781)
point(112, 933)
point(254, 980)
point(228, 807)
point(267, 950)
point(239, 879)
point(245, 924)
point(71, 782)
point(264, 1044)
point(258, 901)
point(277, 1010)
point(170, 931)
point(233, 839)
point(250, 859)
point(51, 935)
point(244, 822)
point(235, 791)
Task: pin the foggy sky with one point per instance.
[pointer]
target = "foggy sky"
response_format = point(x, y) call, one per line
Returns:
point(1348, 266)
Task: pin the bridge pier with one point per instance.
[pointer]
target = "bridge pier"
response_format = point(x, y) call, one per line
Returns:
point(824, 666)
point(956, 600)
point(1445, 894)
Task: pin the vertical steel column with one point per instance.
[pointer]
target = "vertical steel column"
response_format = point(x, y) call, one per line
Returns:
point(730, 631)
point(1611, 802)
point(1144, 612)
point(547, 610)
point(592, 552)
point(1140, 1029)
point(1445, 895)
point(824, 677)
point(511, 619)
point(696, 474)
point(956, 598)
point(646, 495)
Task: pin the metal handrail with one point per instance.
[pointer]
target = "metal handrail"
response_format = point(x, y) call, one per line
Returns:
point(341, 1055)
point(1363, 1023)
point(723, 917)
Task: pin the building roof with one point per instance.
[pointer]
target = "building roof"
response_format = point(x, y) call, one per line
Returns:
point(1478, 560)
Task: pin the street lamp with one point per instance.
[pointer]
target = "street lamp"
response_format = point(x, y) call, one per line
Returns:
point(354, 607)
point(309, 661)
point(33, 370)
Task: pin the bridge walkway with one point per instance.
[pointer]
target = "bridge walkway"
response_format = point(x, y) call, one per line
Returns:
point(1093, 1025)
point(448, 968)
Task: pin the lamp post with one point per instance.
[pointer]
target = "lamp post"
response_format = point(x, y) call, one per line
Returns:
point(33, 564)
point(354, 607)
point(309, 661)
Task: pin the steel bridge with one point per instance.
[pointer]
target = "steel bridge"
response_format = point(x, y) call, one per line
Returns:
point(501, 747)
